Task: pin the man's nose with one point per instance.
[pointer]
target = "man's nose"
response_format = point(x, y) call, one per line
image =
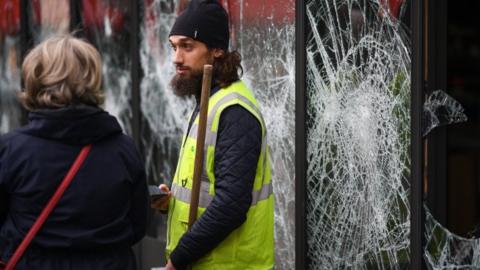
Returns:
point(177, 57)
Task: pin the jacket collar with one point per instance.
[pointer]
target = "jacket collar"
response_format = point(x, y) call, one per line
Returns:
point(76, 124)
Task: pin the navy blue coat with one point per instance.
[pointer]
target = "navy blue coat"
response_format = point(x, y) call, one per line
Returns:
point(101, 214)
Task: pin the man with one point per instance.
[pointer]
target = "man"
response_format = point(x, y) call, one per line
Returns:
point(234, 229)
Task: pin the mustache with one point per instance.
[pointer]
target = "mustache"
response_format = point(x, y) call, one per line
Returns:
point(183, 67)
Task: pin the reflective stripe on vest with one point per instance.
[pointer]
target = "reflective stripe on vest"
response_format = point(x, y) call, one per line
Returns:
point(184, 194)
point(211, 136)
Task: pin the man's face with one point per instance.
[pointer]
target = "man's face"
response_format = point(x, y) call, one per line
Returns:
point(189, 57)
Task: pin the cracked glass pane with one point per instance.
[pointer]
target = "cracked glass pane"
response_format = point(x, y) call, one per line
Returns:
point(445, 250)
point(10, 112)
point(358, 87)
point(440, 109)
point(266, 40)
point(164, 114)
point(105, 24)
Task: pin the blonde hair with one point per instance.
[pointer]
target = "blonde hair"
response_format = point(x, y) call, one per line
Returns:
point(61, 71)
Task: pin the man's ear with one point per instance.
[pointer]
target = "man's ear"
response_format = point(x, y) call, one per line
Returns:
point(217, 53)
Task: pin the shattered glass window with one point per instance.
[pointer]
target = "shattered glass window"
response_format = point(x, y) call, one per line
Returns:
point(164, 115)
point(106, 24)
point(10, 112)
point(265, 37)
point(358, 130)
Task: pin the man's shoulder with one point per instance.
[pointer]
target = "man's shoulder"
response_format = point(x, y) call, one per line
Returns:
point(235, 85)
point(239, 118)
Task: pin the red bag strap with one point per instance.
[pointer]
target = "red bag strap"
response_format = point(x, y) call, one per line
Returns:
point(48, 209)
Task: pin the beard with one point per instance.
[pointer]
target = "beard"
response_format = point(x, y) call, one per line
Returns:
point(188, 85)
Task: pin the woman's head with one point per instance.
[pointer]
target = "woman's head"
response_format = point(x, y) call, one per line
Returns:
point(59, 72)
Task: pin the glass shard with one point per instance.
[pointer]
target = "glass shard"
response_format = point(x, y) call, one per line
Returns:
point(445, 250)
point(440, 109)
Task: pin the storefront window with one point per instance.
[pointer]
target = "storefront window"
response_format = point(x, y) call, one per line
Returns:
point(358, 135)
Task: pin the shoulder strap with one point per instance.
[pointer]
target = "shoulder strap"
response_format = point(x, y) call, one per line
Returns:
point(48, 209)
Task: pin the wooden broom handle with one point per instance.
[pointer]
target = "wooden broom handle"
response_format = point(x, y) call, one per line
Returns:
point(199, 153)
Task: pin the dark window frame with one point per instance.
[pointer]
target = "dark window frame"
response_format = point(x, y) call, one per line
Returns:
point(436, 78)
point(416, 147)
point(300, 136)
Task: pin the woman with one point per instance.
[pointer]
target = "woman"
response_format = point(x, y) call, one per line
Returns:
point(103, 212)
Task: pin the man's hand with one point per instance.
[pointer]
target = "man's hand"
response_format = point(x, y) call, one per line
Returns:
point(162, 204)
point(169, 265)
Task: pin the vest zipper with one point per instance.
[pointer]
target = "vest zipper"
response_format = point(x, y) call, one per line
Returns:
point(192, 118)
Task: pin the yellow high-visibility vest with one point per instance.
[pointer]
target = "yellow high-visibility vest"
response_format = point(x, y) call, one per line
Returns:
point(251, 246)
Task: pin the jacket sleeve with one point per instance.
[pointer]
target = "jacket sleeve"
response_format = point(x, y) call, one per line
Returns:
point(237, 152)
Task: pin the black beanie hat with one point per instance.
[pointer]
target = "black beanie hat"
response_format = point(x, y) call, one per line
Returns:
point(205, 21)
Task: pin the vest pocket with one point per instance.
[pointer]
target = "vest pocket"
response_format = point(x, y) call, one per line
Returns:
point(183, 216)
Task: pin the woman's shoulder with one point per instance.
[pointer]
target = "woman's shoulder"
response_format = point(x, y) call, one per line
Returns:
point(122, 144)
point(12, 138)
point(119, 140)
point(8, 136)
point(9, 145)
